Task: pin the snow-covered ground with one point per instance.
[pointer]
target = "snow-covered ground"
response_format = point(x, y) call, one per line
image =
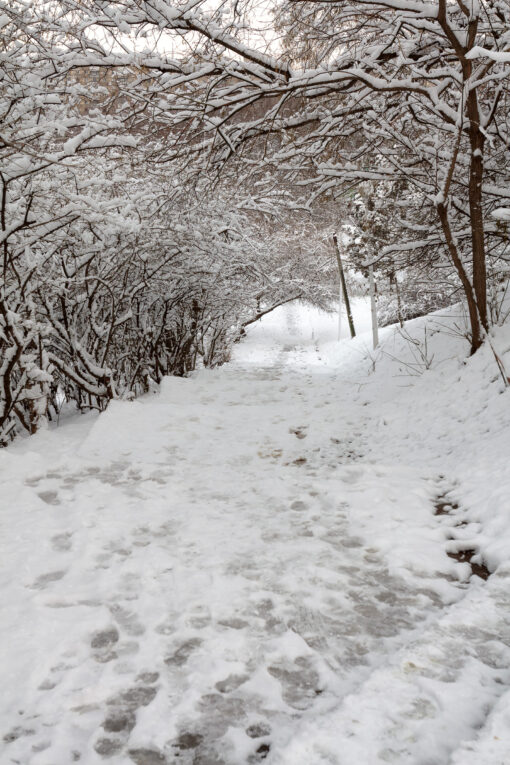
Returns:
point(248, 566)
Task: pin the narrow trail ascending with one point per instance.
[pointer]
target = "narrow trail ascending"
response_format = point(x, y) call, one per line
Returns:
point(197, 578)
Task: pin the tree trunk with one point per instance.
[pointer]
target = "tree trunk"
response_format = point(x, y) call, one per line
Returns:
point(474, 319)
point(343, 286)
point(477, 140)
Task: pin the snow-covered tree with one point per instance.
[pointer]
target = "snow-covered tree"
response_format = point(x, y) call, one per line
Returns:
point(383, 90)
point(131, 247)
point(40, 136)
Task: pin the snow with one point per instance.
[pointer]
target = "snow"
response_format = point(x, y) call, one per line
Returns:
point(502, 214)
point(247, 565)
point(479, 52)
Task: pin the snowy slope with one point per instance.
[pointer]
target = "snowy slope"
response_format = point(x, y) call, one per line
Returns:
point(248, 566)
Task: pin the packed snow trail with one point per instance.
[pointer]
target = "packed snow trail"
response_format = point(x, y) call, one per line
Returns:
point(223, 574)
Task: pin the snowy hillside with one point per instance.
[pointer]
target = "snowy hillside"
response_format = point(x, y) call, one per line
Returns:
point(252, 565)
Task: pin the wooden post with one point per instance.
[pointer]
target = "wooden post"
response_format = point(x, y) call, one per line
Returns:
point(343, 289)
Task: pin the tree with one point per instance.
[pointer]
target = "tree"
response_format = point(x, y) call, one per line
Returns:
point(118, 264)
point(395, 93)
point(154, 203)
point(40, 137)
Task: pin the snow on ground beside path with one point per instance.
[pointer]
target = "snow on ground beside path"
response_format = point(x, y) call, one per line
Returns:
point(247, 566)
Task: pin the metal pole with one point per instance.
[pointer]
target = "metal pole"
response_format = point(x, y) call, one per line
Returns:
point(373, 306)
point(339, 310)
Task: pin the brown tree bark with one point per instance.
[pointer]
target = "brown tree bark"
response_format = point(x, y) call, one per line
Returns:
point(477, 140)
point(344, 287)
point(476, 332)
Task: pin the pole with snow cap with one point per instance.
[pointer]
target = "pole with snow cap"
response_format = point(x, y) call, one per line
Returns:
point(373, 306)
point(340, 311)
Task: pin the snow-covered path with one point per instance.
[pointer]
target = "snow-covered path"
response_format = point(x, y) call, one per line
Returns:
point(228, 573)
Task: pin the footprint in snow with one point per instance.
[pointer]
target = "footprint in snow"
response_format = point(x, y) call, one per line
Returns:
point(147, 757)
point(46, 579)
point(260, 753)
point(50, 497)
point(18, 732)
point(183, 653)
point(351, 476)
point(102, 644)
point(300, 683)
point(299, 432)
point(127, 620)
point(62, 542)
point(134, 698)
point(230, 683)
point(258, 730)
point(233, 623)
point(120, 720)
point(105, 638)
